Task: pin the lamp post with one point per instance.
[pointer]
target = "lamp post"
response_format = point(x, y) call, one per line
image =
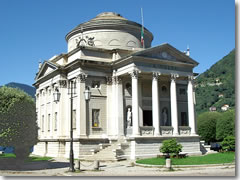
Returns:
point(71, 91)
point(87, 94)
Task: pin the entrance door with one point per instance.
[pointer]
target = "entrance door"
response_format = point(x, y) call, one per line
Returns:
point(147, 118)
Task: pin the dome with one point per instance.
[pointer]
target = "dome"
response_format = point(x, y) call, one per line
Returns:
point(108, 30)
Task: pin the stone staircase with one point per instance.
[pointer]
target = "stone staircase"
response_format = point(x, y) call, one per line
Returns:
point(107, 152)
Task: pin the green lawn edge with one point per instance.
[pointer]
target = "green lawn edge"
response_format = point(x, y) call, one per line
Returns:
point(216, 158)
point(29, 159)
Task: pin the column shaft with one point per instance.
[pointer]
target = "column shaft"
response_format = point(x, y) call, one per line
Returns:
point(155, 104)
point(135, 103)
point(174, 113)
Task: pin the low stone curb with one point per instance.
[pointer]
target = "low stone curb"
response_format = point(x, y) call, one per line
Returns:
point(185, 166)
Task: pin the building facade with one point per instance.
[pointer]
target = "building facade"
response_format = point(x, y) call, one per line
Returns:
point(139, 96)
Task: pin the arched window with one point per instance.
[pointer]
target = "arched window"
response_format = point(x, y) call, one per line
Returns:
point(164, 89)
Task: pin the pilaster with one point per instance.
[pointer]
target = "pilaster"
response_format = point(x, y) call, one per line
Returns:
point(191, 117)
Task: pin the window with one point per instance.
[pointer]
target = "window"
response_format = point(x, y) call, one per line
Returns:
point(49, 121)
point(129, 88)
point(95, 117)
point(74, 119)
point(95, 84)
point(164, 89)
point(182, 91)
point(55, 127)
point(42, 123)
point(184, 121)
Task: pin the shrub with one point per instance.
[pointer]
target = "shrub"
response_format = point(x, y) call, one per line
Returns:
point(206, 125)
point(18, 126)
point(171, 146)
point(225, 125)
point(228, 144)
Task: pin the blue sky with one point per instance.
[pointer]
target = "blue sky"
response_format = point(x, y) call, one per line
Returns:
point(35, 30)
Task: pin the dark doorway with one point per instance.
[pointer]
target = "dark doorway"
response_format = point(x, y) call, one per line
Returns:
point(147, 118)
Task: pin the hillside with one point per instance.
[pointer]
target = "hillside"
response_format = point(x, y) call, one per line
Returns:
point(26, 88)
point(216, 86)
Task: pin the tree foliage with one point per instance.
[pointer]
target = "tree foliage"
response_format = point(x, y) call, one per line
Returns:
point(171, 146)
point(18, 127)
point(206, 125)
point(225, 125)
point(228, 144)
point(207, 93)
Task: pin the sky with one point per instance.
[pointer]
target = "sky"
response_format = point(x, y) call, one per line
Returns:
point(33, 31)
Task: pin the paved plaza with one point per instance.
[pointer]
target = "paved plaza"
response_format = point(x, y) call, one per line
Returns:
point(59, 167)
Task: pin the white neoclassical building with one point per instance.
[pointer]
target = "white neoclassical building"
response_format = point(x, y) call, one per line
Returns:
point(139, 96)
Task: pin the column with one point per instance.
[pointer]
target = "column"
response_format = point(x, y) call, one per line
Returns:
point(173, 94)
point(191, 118)
point(140, 102)
point(109, 105)
point(83, 106)
point(135, 104)
point(114, 125)
point(155, 103)
point(119, 105)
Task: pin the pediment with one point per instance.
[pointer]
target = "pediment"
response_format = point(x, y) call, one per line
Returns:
point(166, 52)
point(45, 69)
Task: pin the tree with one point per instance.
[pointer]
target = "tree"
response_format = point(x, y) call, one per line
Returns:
point(228, 144)
point(18, 127)
point(206, 125)
point(171, 146)
point(225, 125)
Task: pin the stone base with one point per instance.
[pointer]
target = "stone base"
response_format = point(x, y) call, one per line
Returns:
point(131, 147)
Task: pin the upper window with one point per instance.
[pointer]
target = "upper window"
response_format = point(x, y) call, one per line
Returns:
point(182, 91)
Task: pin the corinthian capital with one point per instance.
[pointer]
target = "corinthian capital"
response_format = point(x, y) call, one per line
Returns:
point(134, 74)
point(82, 77)
point(156, 75)
point(174, 77)
point(116, 80)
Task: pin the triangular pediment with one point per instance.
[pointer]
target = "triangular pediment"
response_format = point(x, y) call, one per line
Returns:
point(166, 52)
point(46, 68)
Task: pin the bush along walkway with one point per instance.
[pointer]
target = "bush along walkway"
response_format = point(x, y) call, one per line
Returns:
point(218, 158)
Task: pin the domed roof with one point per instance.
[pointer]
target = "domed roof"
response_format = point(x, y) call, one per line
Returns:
point(109, 20)
point(109, 15)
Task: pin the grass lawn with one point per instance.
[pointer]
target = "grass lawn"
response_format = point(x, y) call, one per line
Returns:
point(218, 158)
point(30, 159)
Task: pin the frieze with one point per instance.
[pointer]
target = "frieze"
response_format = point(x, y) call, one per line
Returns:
point(167, 67)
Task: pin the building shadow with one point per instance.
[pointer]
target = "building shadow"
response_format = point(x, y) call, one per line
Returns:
point(12, 165)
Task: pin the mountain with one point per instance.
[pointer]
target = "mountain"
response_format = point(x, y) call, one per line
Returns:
point(216, 86)
point(26, 88)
